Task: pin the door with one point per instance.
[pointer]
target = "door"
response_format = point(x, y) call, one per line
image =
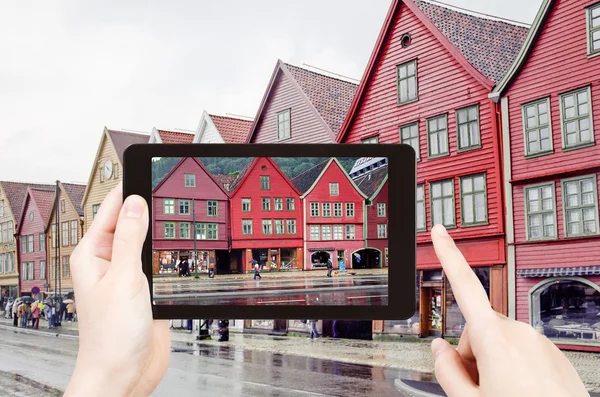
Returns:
point(435, 320)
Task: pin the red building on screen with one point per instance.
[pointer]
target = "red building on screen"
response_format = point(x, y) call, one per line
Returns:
point(186, 190)
point(266, 218)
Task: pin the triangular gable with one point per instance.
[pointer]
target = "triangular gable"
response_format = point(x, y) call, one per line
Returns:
point(331, 161)
point(74, 192)
point(205, 122)
point(199, 163)
point(251, 168)
point(41, 208)
point(103, 138)
point(528, 46)
point(280, 67)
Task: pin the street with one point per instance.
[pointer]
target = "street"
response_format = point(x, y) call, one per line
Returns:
point(358, 290)
point(45, 363)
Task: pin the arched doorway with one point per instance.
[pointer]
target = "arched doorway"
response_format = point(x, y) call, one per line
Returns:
point(367, 258)
point(566, 308)
point(319, 259)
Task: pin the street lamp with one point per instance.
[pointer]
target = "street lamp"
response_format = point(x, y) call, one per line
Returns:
point(194, 231)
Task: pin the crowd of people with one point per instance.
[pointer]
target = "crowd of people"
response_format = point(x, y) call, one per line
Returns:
point(27, 311)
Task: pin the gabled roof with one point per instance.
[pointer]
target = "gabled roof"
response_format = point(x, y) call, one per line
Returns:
point(371, 182)
point(165, 136)
point(484, 47)
point(308, 176)
point(16, 193)
point(199, 163)
point(232, 130)
point(526, 48)
point(225, 179)
point(329, 97)
point(75, 193)
point(43, 199)
point(242, 176)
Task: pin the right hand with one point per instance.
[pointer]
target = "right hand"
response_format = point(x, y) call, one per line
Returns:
point(496, 356)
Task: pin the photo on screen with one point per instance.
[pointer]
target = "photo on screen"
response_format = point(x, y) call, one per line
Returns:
point(259, 231)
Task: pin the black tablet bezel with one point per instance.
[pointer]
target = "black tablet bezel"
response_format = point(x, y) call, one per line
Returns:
point(137, 179)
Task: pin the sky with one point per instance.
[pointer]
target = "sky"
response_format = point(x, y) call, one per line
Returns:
point(68, 69)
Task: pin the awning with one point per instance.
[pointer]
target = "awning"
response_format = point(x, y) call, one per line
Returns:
point(321, 249)
point(560, 271)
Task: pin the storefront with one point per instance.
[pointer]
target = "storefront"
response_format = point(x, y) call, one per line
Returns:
point(270, 327)
point(319, 256)
point(273, 259)
point(168, 260)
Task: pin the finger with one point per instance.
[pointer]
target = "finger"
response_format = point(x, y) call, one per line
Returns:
point(468, 291)
point(450, 371)
point(129, 237)
point(466, 353)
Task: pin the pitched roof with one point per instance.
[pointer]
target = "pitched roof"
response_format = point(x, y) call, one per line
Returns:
point(175, 137)
point(44, 200)
point(330, 96)
point(369, 183)
point(225, 179)
point(241, 175)
point(16, 192)
point(122, 139)
point(305, 180)
point(75, 193)
point(232, 130)
point(489, 45)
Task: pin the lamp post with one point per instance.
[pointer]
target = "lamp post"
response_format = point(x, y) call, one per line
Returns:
point(194, 231)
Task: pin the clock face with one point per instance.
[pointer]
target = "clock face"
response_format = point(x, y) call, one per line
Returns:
point(108, 169)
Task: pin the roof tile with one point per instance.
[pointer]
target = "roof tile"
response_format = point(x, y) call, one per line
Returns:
point(175, 137)
point(305, 180)
point(15, 193)
point(233, 130)
point(121, 140)
point(75, 193)
point(369, 183)
point(44, 199)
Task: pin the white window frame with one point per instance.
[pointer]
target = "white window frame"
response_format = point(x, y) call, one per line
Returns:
point(291, 226)
point(315, 232)
point(212, 208)
point(541, 212)
point(247, 227)
point(267, 227)
point(473, 193)
point(246, 205)
point(382, 230)
point(338, 210)
point(563, 120)
point(284, 125)
point(537, 128)
point(409, 139)
point(436, 135)
point(350, 210)
point(338, 232)
point(442, 198)
point(381, 210)
point(334, 189)
point(279, 226)
point(169, 203)
point(326, 232)
point(165, 230)
point(314, 209)
point(350, 232)
point(290, 204)
point(590, 31)
point(594, 192)
point(189, 180)
point(409, 77)
point(278, 203)
point(326, 210)
point(267, 201)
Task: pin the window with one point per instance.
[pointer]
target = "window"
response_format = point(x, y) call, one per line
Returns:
point(74, 231)
point(184, 207)
point(467, 127)
point(381, 210)
point(101, 172)
point(326, 232)
point(278, 204)
point(265, 183)
point(580, 206)
point(169, 230)
point(267, 226)
point(30, 246)
point(593, 27)
point(42, 270)
point(54, 236)
point(350, 232)
point(314, 232)
point(314, 209)
point(65, 267)
point(247, 227)
point(212, 231)
point(42, 241)
point(226, 186)
point(334, 189)
point(266, 204)
point(212, 208)
point(442, 203)
point(23, 243)
point(409, 135)
point(537, 127)
point(386, 256)
point(246, 205)
point(290, 204)
point(326, 210)
point(201, 231)
point(540, 212)
point(65, 233)
point(115, 171)
point(95, 209)
point(575, 118)
point(338, 232)
point(190, 180)
point(279, 226)
point(291, 226)
point(349, 210)
point(27, 271)
point(437, 131)
point(63, 206)
point(169, 206)
point(337, 210)
point(184, 230)
point(371, 140)
point(24, 271)
point(407, 82)
point(382, 231)
point(283, 125)
point(473, 200)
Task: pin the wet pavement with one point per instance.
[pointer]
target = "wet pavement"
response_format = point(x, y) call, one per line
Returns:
point(358, 290)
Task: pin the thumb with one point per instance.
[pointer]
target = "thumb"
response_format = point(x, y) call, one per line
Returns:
point(451, 372)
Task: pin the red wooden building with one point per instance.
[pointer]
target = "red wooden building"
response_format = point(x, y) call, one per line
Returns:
point(186, 190)
point(550, 102)
point(427, 85)
point(32, 241)
point(266, 218)
point(333, 217)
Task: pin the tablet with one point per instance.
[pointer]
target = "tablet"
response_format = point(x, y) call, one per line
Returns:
point(267, 231)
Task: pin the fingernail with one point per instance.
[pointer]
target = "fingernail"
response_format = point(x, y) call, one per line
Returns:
point(441, 231)
point(437, 346)
point(134, 207)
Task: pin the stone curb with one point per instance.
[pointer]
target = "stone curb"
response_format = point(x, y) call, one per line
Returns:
point(412, 392)
point(38, 332)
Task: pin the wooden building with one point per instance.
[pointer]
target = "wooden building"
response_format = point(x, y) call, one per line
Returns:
point(31, 240)
point(107, 170)
point(333, 212)
point(550, 103)
point(64, 232)
point(190, 195)
point(427, 84)
point(165, 136)
point(266, 218)
point(301, 106)
point(221, 129)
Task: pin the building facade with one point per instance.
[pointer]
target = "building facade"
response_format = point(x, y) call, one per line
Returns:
point(190, 207)
point(427, 85)
point(221, 129)
point(552, 173)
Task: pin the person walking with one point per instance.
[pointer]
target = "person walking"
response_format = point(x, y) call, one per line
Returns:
point(14, 312)
point(256, 271)
point(35, 313)
point(9, 305)
point(70, 311)
point(329, 267)
point(313, 330)
point(23, 312)
point(48, 312)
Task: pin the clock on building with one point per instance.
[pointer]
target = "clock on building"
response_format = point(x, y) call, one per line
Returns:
point(108, 169)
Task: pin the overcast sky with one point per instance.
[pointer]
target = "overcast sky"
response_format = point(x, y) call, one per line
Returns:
point(70, 68)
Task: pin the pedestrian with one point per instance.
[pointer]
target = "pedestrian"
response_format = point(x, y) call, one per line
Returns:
point(56, 312)
point(48, 312)
point(70, 311)
point(23, 313)
point(14, 312)
point(8, 311)
point(256, 273)
point(190, 326)
point(313, 330)
point(329, 267)
point(35, 312)
point(62, 315)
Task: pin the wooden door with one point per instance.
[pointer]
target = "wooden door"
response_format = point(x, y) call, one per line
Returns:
point(425, 307)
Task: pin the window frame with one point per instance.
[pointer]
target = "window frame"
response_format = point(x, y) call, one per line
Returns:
point(580, 178)
point(248, 201)
point(526, 190)
point(291, 222)
point(310, 232)
point(186, 180)
point(329, 234)
point(589, 31)
point(563, 131)
point(289, 124)
point(66, 266)
point(280, 222)
point(350, 206)
point(326, 213)
point(215, 206)
point(275, 200)
point(384, 206)
point(485, 200)
point(314, 209)
point(95, 208)
point(74, 233)
point(431, 199)
point(384, 228)
point(265, 183)
point(341, 209)
point(165, 231)
point(43, 273)
point(341, 232)
point(440, 154)
point(418, 138)
point(42, 242)
point(398, 79)
point(424, 202)
point(288, 207)
point(460, 149)
point(165, 206)
point(269, 223)
point(353, 228)
point(189, 230)
point(247, 223)
point(525, 130)
point(264, 200)
point(334, 192)
point(180, 202)
point(369, 140)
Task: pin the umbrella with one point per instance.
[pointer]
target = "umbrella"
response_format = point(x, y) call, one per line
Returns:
point(253, 261)
point(28, 299)
point(68, 301)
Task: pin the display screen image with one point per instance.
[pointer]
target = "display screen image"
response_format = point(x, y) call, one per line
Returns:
point(255, 231)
